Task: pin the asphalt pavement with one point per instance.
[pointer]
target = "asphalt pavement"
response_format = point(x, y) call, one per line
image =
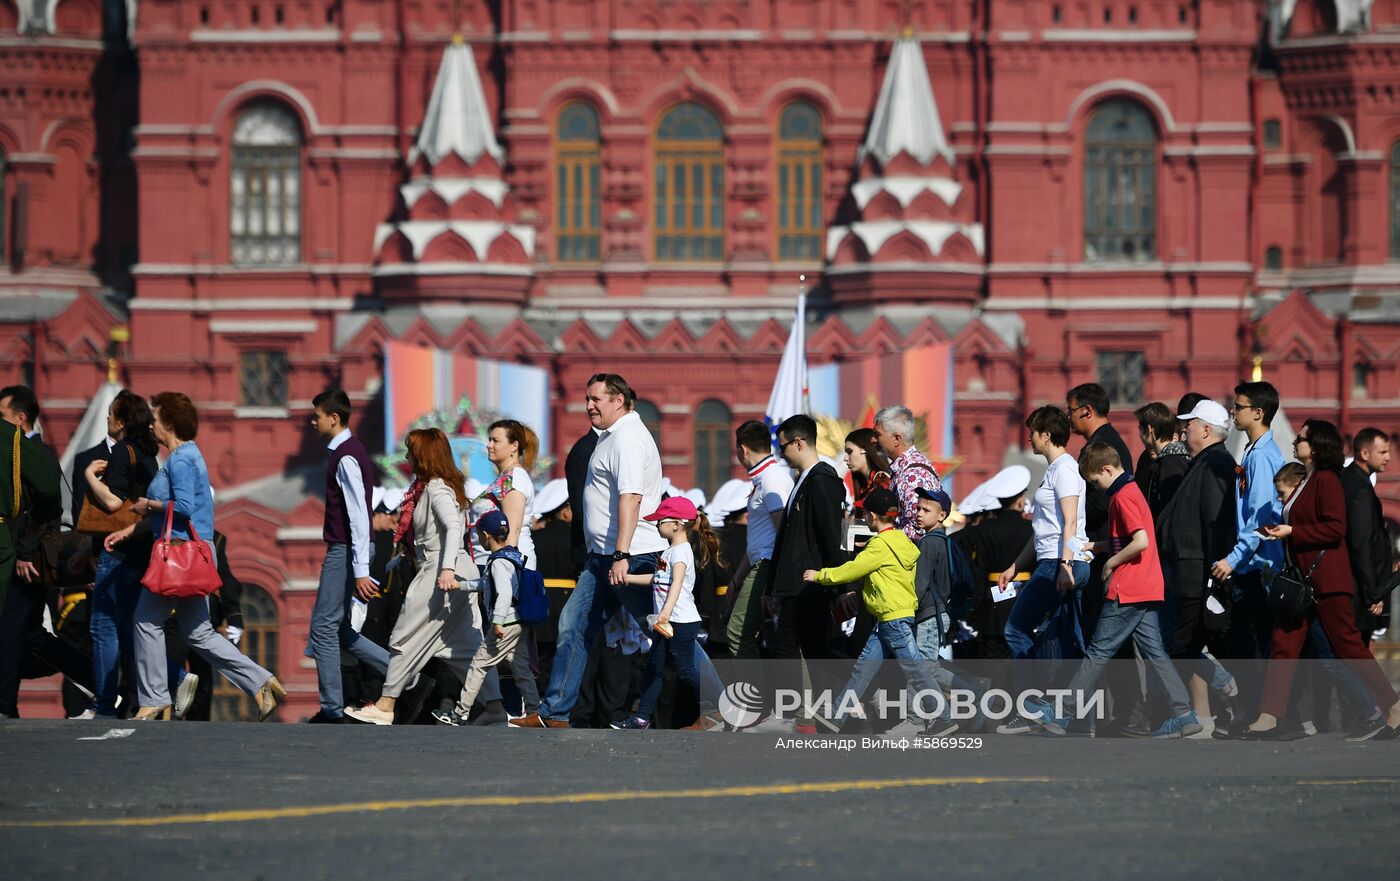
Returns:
point(247, 801)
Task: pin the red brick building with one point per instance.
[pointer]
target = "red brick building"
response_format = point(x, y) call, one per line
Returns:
point(1150, 193)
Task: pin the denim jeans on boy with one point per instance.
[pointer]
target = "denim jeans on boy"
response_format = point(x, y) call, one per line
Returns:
point(331, 630)
point(681, 648)
point(591, 603)
point(930, 637)
point(1140, 622)
point(891, 639)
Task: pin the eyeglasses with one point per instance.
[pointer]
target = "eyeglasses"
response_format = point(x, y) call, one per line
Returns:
point(1070, 411)
point(1239, 407)
point(1299, 440)
point(782, 447)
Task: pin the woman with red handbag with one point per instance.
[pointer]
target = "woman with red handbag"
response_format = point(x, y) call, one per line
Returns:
point(1315, 529)
point(182, 572)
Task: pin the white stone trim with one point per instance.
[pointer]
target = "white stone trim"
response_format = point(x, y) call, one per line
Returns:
point(261, 412)
point(1220, 150)
point(1132, 87)
point(1118, 35)
point(236, 325)
point(277, 304)
point(395, 269)
point(268, 35)
point(1127, 302)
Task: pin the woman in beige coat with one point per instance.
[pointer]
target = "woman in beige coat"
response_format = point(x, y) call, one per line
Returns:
point(436, 620)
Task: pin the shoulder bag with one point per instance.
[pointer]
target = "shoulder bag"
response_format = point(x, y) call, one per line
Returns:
point(181, 568)
point(92, 519)
point(1292, 595)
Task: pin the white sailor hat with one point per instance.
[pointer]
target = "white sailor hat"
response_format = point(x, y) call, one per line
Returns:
point(976, 501)
point(551, 496)
point(1009, 482)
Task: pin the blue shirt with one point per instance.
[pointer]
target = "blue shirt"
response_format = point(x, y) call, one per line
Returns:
point(1256, 504)
point(184, 478)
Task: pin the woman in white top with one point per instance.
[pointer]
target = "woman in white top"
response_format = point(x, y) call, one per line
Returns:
point(512, 447)
point(1059, 545)
point(436, 620)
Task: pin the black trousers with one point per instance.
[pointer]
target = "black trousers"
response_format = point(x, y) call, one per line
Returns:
point(26, 648)
point(802, 632)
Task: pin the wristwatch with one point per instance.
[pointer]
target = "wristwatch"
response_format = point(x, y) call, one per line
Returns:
point(619, 556)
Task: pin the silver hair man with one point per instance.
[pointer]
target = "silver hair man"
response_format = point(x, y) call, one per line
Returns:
point(897, 420)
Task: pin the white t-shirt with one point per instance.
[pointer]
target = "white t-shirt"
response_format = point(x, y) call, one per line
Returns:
point(772, 485)
point(685, 611)
point(520, 481)
point(625, 461)
point(1061, 481)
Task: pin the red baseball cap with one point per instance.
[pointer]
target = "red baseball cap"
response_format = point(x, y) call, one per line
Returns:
point(674, 508)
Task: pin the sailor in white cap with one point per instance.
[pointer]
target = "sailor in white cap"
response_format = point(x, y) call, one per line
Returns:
point(992, 544)
point(731, 497)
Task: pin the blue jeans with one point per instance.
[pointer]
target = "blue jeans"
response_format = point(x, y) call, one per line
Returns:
point(331, 631)
point(592, 602)
point(1119, 622)
point(681, 648)
point(1041, 598)
point(115, 590)
point(891, 639)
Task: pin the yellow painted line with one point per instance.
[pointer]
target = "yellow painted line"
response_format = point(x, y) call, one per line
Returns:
point(512, 801)
point(1360, 781)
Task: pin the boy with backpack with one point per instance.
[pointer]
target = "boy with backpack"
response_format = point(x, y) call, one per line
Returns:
point(943, 583)
point(1135, 588)
point(508, 590)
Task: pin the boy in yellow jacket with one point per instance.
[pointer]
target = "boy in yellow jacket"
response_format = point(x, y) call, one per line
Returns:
point(887, 566)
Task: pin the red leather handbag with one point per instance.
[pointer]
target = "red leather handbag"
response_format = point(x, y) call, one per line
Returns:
point(181, 568)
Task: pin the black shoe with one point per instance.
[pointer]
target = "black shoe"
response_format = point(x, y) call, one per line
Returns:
point(1388, 733)
point(1234, 731)
point(1267, 734)
point(1367, 730)
point(494, 714)
point(1292, 732)
point(324, 718)
point(1138, 727)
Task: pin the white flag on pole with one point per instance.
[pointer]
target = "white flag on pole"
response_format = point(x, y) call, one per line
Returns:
point(790, 393)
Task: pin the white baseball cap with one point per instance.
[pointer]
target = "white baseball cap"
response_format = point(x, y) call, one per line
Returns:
point(1210, 413)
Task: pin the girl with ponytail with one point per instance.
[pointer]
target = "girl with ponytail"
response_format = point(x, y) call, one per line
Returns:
point(676, 622)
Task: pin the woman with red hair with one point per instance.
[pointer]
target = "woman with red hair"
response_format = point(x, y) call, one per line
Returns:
point(436, 619)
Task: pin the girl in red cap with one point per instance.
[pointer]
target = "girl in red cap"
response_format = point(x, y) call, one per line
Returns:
point(676, 623)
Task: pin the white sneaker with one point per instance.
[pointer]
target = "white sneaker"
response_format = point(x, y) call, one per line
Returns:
point(1206, 732)
point(370, 715)
point(1309, 729)
point(88, 714)
point(774, 724)
point(184, 695)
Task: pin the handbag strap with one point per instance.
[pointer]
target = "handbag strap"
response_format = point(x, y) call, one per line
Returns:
point(1316, 563)
point(169, 521)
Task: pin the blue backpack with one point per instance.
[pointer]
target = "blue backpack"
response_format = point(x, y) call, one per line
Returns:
point(531, 601)
point(958, 602)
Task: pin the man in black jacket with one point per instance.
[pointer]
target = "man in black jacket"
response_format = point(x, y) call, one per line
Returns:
point(1159, 430)
point(1367, 540)
point(810, 538)
point(1198, 526)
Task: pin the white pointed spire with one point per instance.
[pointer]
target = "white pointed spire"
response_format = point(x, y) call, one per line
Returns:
point(458, 120)
point(906, 115)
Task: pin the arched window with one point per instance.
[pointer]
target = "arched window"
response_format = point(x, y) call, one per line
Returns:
point(265, 187)
point(1273, 258)
point(713, 442)
point(260, 644)
point(800, 205)
point(1395, 202)
point(689, 185)
point(1120, 184)
point(651, 418)
point(577, 169)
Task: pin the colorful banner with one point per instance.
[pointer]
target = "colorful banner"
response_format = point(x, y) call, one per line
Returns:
point(920, 379)
point(419, 380)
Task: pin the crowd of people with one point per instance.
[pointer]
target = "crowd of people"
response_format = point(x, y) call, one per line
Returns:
point(1211, 574)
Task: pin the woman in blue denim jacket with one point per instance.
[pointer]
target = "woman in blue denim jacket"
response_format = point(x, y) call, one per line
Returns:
point(184, 483)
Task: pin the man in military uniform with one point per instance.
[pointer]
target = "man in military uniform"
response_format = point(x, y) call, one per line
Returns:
point(25, 485)
point(991, 546)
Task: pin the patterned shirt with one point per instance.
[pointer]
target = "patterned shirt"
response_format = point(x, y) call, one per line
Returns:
point(911, 471)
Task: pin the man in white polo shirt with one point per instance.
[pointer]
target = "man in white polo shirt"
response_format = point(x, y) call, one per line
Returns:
point(621, 487)
point(772, 485)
